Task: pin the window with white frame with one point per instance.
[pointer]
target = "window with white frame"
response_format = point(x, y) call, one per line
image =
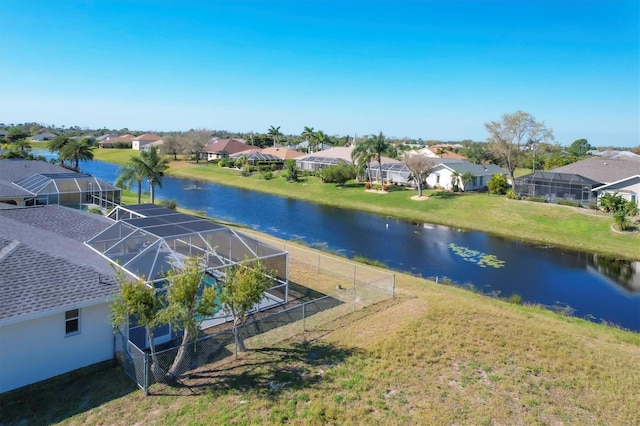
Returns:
point(72, 322)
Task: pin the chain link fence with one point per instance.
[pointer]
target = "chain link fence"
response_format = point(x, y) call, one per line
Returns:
point(322, 289)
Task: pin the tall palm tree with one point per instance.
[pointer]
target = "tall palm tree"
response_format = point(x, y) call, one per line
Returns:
point(274, 133)
point(362, 155)
point(77, 150)
point(308, 135)
point(153, 167)
point(128, 174)
point(57, 144)
point(320, 139)
point(379, 147)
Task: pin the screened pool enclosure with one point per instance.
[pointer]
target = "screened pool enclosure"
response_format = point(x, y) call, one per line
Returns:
point(554, 186)
point(147, 241)
point(69, 189)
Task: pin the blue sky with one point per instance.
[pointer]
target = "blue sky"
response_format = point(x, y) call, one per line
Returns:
point(420, 69)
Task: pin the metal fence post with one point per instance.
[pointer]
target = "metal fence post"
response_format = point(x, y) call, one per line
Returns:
point(146, 374)
point(304, 318)
point(393, 285)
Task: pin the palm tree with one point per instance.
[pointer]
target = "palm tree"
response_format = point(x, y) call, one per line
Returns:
point(77, 150)
point(467, 179)
point(309, 135)
point(320, 139)
point(152, 167)
point(455, 181)
point(361, 155)
point(274, 132)
point(131, 173)
point(57, 144)
point(379, 146)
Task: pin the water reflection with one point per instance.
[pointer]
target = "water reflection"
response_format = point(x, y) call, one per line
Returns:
point(622, 272)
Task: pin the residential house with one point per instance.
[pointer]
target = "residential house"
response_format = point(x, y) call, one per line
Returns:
point(445, 151)
point(31, 182)
point(57, 280)
point(111, 140)
point(54, 294)
point(139, 142)
point(44, 136)
point(223, 148)
point(584, 181)
point(442, 175)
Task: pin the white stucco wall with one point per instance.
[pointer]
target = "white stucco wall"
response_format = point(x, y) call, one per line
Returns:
point(445, 178)
point(38, 349)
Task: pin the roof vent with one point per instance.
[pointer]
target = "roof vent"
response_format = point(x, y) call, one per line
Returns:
point(605, 163)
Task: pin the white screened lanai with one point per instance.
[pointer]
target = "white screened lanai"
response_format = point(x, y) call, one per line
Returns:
point(146, 241)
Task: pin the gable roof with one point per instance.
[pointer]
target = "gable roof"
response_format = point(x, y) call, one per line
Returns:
point(630, 178)
point(45, 266)
point(147, 137)
point(227, 146)
point(603, 170)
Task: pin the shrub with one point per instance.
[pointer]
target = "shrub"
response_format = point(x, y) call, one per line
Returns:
point(498, 184)
point(170, 204)
point(338, 174)
point(266, 175)
point(291, 170)
point(536, 199)
point(569, 203)
point(367, 185)
point(94, 210)
point(367, 261)
point(620, 220)
point(511, 194)
point(247, 170)
point(516, 299)
point(224, 162)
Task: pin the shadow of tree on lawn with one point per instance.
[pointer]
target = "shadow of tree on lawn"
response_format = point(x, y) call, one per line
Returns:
point(267, 371)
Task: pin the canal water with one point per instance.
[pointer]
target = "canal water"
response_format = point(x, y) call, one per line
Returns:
point(589, 286)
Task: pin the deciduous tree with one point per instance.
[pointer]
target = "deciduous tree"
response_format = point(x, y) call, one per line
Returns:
point(196, 142)
point(509, 137)
point(189, 301)
point(420, 167)
point(242, 287)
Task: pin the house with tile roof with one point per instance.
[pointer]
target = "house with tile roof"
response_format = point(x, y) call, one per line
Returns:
point(223, 148)
point(139, 142)
point(54, 294)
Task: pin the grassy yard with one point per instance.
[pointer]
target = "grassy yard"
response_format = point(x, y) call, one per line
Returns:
point(435, 354)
